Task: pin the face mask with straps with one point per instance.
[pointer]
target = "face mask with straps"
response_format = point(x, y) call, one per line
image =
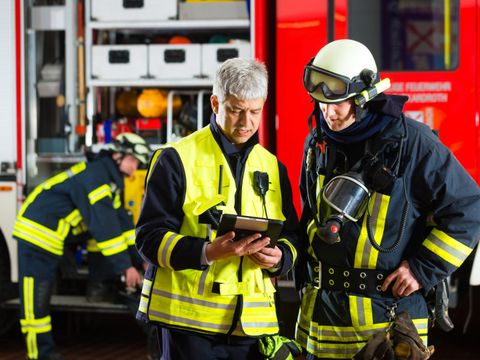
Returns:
point(346, 196)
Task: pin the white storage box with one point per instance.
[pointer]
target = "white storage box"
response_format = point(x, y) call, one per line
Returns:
point(48, 17)
point(215, 54)
point(175, 61)
point(119, 62)
point(133, 10)
point(218, 10)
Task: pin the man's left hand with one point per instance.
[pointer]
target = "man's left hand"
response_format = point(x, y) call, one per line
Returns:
point(267, 257)
point(403, 279)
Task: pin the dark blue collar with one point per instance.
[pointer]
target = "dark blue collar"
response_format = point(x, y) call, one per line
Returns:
point(227, 146)
point(358, 131)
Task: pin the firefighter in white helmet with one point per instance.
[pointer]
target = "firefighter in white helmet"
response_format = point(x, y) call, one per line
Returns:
point(76, 205)
point(370, 178)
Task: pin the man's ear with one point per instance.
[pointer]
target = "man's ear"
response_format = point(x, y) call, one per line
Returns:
point(214, 103)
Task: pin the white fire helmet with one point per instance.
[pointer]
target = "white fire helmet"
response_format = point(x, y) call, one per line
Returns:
point(342, 69)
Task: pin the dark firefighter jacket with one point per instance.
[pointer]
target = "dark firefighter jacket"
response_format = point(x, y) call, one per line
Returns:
point(171, 237)
point(80, 203)
point(343, 305)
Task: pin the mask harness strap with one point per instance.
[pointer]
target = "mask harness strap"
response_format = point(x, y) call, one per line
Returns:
point(406, 206)
point(310, 161)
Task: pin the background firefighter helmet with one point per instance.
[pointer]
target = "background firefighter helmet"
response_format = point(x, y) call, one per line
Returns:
point(341, 70)
point(131, 144)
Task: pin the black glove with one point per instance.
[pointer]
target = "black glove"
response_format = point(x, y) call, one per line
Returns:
point(379, 347)
point(407, 343)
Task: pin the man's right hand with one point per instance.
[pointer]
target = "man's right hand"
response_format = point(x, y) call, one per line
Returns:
point(133, 279)
point(224, 246)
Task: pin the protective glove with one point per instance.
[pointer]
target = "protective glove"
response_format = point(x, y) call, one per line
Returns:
point(407, 343)
point(378, 347)
point(276, 347)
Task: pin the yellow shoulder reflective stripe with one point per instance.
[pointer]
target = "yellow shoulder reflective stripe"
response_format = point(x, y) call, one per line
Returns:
point(99, 193)
point(446, 247)
point(112, 246)
point(57, 179)
point(166, 247)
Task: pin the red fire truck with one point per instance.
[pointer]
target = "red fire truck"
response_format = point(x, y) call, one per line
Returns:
point(429, 49)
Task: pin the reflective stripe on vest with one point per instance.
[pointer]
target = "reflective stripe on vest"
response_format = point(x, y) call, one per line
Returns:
point(186, 298)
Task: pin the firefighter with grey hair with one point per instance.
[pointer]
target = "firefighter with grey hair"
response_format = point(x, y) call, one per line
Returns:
point(212, 295)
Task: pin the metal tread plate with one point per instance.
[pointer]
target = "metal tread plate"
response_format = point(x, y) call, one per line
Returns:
point(75, 303)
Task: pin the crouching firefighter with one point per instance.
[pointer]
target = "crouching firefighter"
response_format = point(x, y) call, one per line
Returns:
point(370, 178)
point(76, 205)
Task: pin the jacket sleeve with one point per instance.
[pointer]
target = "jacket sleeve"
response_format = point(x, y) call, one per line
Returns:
point(128, 231)
point(288, 241)
point(451, 196)
point(158, 228)
point(95, 202)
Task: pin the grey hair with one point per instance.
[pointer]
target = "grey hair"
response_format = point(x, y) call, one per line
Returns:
point(246, 79)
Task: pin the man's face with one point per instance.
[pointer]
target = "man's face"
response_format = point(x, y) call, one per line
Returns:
point(339, 115)
point(237, 119)
point(128, 165)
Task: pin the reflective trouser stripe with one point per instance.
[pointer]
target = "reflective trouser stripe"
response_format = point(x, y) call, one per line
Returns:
point(342, 342)
point(31, 326)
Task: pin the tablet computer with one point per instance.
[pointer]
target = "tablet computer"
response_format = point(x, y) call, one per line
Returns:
point(248, 225)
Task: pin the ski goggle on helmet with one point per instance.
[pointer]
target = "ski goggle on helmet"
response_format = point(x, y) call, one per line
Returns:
point(131, 144)
point(340, 70)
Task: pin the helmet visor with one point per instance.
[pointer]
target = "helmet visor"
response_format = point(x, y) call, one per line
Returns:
point(332, 86)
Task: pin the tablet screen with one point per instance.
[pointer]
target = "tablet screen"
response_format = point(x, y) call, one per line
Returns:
point(248, 225)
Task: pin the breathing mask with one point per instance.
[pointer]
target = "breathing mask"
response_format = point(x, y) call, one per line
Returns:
point(346, 197)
